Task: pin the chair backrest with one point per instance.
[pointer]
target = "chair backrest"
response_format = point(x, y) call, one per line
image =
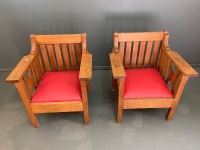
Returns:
point(59, 52)
point(140, 50)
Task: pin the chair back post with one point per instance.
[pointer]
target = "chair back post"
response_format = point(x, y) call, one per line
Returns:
point(84, 43)
point(115, 43)
point(34, 48)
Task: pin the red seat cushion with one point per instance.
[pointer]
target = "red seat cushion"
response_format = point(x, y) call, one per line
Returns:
point(145, 83)
point(57, 87)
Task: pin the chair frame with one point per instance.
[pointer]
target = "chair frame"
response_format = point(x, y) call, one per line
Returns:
point(167, 60)
point(35, 65)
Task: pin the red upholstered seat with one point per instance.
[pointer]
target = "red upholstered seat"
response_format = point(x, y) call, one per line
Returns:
point(57, 87)
point(145, 83)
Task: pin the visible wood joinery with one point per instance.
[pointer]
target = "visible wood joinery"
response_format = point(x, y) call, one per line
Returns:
point(29, 83)
point(148, 50)
point(173, 77)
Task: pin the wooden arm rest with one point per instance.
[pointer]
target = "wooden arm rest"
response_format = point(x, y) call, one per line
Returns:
point(117, 66)
point(86, 66)
point(20, 69)
point(181, 64)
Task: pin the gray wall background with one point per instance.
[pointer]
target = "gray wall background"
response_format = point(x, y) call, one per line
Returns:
point(99, 19)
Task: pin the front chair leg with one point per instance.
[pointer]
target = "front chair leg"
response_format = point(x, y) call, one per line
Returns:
point(120, 100)
point(85, 101)
point(119, 113)
point(33, 119)
point(113, 84)
point(170, 113)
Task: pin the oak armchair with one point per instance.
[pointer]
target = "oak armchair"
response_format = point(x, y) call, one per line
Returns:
point(147, 73)
point(55, 76)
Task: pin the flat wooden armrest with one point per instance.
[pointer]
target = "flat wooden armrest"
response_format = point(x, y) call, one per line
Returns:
point(181, 64)
point(86, 66)
point(117, 66)
point(20, 69)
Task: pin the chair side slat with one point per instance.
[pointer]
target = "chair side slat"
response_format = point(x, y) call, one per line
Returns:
point(144, 36)
point(154, 53)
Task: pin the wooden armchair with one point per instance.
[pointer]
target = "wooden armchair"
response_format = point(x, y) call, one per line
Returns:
point(147, 73)
point(55, 76)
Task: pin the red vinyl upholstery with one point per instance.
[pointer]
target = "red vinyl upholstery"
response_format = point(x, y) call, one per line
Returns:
point(145, 83)
point(57, 87)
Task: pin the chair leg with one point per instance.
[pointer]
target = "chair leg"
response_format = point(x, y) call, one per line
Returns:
point(33, 119)
point(170, 113)
point(86, 116)
point(113, 84)
point(88, 85)
point(120, 100)
point(85, 101)
point(119, 114)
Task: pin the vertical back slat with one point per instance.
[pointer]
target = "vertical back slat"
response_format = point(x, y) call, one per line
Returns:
point(134, 54)
point(52, 57)
point(72, 56)
point(65, 56)
point(59, 57)
point(128, 54)
point(148, 53)
point(121, 50)
point(154, 53)
point(141, 54)
point(78, 53)
point(45, 57)
point(84, 43)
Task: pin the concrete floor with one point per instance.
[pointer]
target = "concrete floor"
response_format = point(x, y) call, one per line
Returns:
point(140, 129)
